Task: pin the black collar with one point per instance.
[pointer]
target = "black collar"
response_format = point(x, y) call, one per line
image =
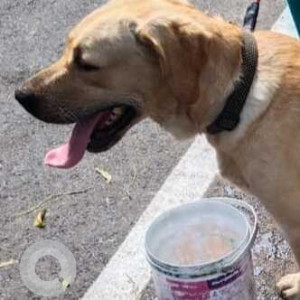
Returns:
point(229, 117)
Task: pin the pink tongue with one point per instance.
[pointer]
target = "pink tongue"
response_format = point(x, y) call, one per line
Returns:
point(70, 154)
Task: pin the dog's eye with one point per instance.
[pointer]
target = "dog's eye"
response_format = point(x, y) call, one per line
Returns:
point(81, 64)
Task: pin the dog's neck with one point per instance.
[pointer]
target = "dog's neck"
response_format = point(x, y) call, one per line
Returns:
point(229, 118)
point(221, 72)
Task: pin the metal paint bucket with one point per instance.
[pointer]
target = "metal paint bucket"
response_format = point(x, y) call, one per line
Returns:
point(202, 251)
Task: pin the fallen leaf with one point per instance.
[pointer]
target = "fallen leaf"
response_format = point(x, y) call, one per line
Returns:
point(39, 220)
point(104, 174)
point(7, 263)
point(65, 283)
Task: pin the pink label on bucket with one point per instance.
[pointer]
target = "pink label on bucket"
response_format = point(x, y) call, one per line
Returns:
point(188, 290)
point(237, 284)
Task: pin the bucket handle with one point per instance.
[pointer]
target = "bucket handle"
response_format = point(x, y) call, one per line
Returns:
point(253, 228)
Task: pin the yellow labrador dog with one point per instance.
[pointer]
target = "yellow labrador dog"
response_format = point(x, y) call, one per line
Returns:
point(165, 60)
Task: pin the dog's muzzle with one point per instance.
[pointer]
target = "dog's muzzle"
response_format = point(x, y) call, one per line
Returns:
point(27, 99)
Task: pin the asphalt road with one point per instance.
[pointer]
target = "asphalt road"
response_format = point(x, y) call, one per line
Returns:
point(92, 224)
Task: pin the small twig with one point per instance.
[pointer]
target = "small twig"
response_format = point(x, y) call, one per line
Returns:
point(134, 176)
point(132, 182)
point(52, 199)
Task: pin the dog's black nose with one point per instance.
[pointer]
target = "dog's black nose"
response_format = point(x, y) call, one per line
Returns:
point(26, 98)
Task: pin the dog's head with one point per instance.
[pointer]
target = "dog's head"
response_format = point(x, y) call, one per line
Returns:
point(124, 62)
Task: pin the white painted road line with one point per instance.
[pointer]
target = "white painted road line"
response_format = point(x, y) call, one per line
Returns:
point(128, 273)
point(285, 24)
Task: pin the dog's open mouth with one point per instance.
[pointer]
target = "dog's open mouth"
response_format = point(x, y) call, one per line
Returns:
point(95, 134)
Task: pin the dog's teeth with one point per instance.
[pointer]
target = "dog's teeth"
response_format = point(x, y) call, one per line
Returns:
point(117, 111)
point(114, 117)
point(115, 114)
point(109, 122)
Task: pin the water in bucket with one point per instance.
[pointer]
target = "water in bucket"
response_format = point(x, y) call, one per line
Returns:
point(202, 251)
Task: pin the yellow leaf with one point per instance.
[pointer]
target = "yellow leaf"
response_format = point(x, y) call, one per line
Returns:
point(107, 177)
point(7, 263)
point(39, 220)
point(65, 283)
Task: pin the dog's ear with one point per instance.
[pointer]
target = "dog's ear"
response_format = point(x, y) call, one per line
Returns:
point(181, 47)
point(151, 48)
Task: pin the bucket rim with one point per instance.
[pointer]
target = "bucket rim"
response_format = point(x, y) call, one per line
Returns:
point(230, 259)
